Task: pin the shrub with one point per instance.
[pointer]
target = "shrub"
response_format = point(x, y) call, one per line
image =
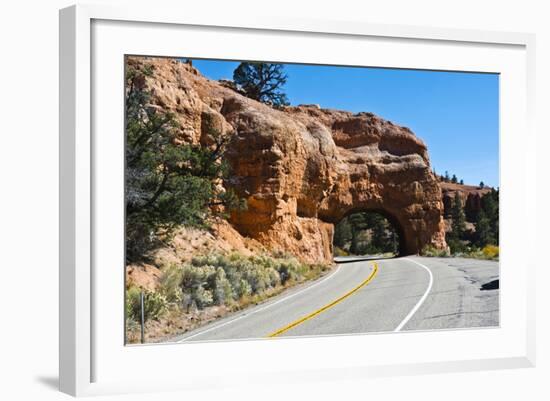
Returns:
point(340, 252)
point(155, 304)
point(224, 279)
point(133, 303)
point(170, 284)
point(274, 278)
point(243, 288)
point(197, 282)
point(432, 251)
point(223, 291)
point(490, 251)
point(457, 246)
point(202, 297)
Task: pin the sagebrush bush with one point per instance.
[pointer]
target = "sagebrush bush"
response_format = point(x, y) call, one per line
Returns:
point(223, 291)
point(430, 250)
point(155, 304)
point(244, 289)
point(170, 284)
point(133, 303)
point(224, 279)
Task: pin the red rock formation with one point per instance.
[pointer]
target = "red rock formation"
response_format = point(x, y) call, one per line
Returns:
point(469, 195)
point(302, 169)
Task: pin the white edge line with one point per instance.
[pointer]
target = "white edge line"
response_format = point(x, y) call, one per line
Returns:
point(245, 314)
point(421, 301)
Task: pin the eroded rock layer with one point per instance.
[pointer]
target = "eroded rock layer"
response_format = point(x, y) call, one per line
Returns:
point(302, 169)
point(469, 195)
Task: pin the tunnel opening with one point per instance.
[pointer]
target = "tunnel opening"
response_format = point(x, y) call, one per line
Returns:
point(368, 233)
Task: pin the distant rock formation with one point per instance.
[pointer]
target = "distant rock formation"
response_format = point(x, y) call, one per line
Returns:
point(302, 169)
point(469, 195)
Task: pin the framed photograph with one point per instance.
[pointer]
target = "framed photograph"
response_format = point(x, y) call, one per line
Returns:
point(279, 199)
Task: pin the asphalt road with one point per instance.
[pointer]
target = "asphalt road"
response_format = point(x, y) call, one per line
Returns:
point(376, 295)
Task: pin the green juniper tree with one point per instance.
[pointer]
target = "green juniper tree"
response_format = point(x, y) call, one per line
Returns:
point(458, 227)
point(167, 184)
point(484, 232)
point(358, 224)
point(380, 238)
point(457, 214)
point(490, 209)
point(262, 82)
point(342, 233)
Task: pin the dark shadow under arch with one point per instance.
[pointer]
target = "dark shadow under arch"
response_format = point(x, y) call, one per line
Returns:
point(402, 247)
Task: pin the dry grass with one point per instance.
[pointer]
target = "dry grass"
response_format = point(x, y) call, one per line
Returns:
point(188, 310)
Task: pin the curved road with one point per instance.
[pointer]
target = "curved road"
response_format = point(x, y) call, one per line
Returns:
point(378, 295)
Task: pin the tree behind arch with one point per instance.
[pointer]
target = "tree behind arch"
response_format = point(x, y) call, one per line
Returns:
point(262, 82)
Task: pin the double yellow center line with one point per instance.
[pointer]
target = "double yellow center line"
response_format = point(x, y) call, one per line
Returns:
point(327, 306)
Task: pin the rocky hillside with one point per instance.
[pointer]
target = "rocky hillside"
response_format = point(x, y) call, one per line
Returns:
point(469, 195)
point(301, 169)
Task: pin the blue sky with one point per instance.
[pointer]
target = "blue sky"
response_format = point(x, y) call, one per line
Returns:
point(455, 114)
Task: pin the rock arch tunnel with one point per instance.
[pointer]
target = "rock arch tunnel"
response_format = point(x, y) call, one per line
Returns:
point(368, 220)
point(301, 178)
point(302, 168)
point(417, 226)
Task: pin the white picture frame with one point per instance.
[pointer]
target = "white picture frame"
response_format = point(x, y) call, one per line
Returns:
point(91, 364)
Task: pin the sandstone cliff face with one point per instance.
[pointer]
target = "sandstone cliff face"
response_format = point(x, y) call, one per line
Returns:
point(469, 195)
point(302, 169)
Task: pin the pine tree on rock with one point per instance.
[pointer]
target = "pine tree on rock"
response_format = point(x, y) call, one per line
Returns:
point(262, 82)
